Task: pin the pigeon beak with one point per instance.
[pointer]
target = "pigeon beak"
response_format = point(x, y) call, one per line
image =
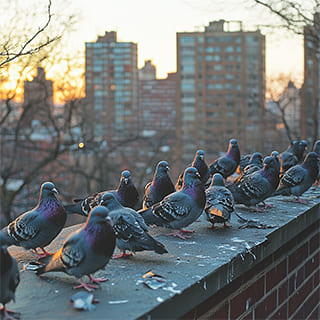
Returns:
point(201, 157)
point(126, 180)
point(198, 175)
point(54, 190)
point(168, 168)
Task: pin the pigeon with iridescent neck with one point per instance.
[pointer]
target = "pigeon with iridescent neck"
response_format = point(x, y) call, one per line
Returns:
point(160, 186)
point(181, 208)
point(126, 194)
point(9, 280)
point(299, 178)
point(86, 250)
point(258, 186)
point(227, 164)
point(219, 202)
point(130, 229)
point(200, 164)
point(38, 227)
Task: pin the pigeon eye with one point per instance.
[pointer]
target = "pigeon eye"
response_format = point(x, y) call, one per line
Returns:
point(46, 188)
point(98, 214)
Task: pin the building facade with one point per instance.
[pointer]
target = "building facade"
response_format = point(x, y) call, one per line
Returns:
point(111, 81)
point(220, 89)
point(310, 111)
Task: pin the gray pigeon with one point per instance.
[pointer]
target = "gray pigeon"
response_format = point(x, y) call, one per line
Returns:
point(227, 164)
point(258, 186)
point(219, 203)
point(86, 250)
point(179, 209)
point(130, 228)
point(9, 280)
point(160, 186)
point(299, 178)
point(275, 154)
point(126, 194)
point(200, 164)
point(293, 155)
point(316, 149)
point(38, 227)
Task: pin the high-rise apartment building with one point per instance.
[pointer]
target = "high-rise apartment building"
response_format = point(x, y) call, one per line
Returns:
point(220, 89)
point(111, 80)
point(157, 101)
point(310, 111)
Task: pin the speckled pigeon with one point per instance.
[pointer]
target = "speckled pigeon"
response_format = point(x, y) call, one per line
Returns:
point(219, 203)
point(299, 178)
point(293, 155)
point(258, 186)
point(9, 280)
point(130, 228)
point(38, 227)
point(181, 208)
point(227, 164)
point(160, 186)
point(126, 194)
point(200, 164)
point(86, 250)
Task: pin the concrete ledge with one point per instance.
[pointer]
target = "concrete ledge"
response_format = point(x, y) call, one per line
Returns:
point(195, 269)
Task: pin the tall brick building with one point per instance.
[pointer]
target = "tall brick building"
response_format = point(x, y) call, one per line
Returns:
point(220, 88)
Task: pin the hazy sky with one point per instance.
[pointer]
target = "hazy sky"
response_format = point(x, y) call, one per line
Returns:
point(153, 25)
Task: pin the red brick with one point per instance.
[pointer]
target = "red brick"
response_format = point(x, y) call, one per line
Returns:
point(283, 292)
point(274, 276)
point(247, 298)
point(312, 264)
point(311, 303)
point(296, 280)
point(281, 313)
point(266, 307)
point(222, 313)
point(298, 298)
point(297, 257)
point(316, 314)
point(314, 243)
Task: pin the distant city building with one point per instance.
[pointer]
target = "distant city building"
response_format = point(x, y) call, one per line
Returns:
point(148, 71)
point(111, 85)
point(157, 102)
point(220, 89)
point(310, 111)
point(38, 99)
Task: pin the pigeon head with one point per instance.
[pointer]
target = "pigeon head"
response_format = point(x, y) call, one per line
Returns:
point(275, 154)
point(233, 150)
point(163, 166)
point(256, 158)
point(109, 201)
point(191, 174)
point(269, 162)
point(125, 176)
point(217, 180)
point(47, 190)
point(200, 155)
point(98, 215)
point(316, 147)
point(311, 157)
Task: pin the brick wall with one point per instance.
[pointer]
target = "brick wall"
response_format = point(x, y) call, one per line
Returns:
point(285, 285)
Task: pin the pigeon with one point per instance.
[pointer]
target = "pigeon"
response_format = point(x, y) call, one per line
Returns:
point(126, 194)
point(244, 161)
point(160, 186)
point(9, 276)
point(130, 229)
point(299, 178)
point(257, 186)
point(199, 163)
point(275, 154)
point(316, 149)
point(227, 164)
point(179, 209)
point(219, 201)
point(38, 227)
point(86, 250)
point(293, 155)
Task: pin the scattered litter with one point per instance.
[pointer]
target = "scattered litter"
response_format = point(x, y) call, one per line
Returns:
point(56, 291)
point(83, 301)
point(172, 288)
point(187, 242)
point(32, 266)
point(153, 281)
point(159, 299)
point(118, 301)
point(253, 223)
